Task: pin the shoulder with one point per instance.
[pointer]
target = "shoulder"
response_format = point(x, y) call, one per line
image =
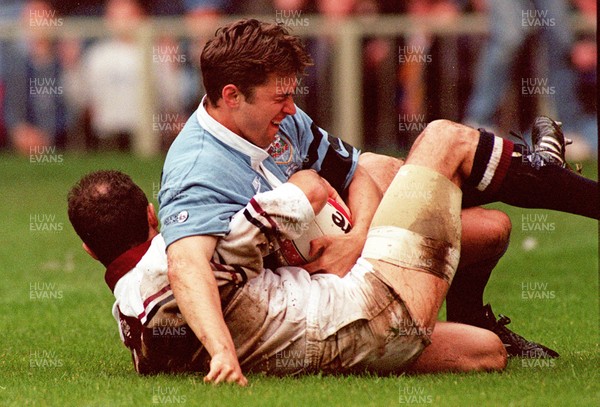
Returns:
point(195, 148)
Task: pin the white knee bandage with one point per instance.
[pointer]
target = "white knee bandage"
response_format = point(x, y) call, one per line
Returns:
point(417, 224)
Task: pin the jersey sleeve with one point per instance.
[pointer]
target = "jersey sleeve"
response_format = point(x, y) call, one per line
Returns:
point(195, 207)
point(284, 211)
point(334, 159)
point(203, 184)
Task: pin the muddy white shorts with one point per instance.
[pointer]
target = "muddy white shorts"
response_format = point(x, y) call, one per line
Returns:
point(288, 322)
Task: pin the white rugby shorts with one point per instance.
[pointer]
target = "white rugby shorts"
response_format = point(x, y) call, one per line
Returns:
point(288, 322)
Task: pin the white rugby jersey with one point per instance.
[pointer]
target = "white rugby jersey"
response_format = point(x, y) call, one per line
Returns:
point(138, 278)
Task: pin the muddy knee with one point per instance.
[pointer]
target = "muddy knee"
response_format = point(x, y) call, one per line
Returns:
point(447, 147)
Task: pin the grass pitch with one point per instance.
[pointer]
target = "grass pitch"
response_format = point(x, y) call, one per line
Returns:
point(60, 345)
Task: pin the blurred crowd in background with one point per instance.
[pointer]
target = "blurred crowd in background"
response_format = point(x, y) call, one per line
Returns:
point(83, 93)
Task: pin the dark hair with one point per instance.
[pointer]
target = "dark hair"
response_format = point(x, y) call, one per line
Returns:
point(245, 52)
point(108, 212)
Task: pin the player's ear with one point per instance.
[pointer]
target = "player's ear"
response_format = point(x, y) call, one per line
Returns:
point(89, 251)
point(152, 219)
point(231, 95)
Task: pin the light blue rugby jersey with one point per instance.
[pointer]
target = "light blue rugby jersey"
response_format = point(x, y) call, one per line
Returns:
point(206, 181)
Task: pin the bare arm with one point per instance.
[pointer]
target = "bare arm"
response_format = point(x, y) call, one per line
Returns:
point(195, 288)
point(339, 253)
point(363, 200)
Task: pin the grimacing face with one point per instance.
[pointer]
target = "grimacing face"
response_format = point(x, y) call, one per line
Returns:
point(258, 120)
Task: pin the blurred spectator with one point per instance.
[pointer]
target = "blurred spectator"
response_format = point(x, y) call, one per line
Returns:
point(164, 7)
point(112, 80)
point(322, 50)
point(35, 109)
point(3, 133)
point(73, 81)
point(319, 79)
point(380, 121)
point(78, 7)
point(96, 7)
point(510, 24)
point(205, 6)
point(421, 61)
point(202, 20)
point(255, 7)
point(290, 4)
point(239, 7)
point(416, 53)
point(113, 77)
point(585, 59)
point(177, 85)
point(9, 11)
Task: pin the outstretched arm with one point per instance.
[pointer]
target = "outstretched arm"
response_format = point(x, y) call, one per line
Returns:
point(195, 289)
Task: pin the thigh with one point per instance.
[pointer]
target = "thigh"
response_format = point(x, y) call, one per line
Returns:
point(485, 232)
point(460, 348)
point(414, 239)
point(387, 343)
point(357, 323)
point(287, 322)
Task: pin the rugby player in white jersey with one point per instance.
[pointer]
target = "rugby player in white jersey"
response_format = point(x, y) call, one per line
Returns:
point(271, 314)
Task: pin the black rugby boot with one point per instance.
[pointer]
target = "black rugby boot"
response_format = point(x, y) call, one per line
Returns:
point(549, 142)
point(514, 343)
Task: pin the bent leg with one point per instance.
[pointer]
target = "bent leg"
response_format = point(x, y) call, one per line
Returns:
point(444, 146)
point(447, 148)
point(460, 348)
point(491, 169)
point(415, 248)
point(486, 234)
point(414, 239)
point(503, 171)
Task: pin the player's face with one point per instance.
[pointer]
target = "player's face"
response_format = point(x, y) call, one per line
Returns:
point(258, 120)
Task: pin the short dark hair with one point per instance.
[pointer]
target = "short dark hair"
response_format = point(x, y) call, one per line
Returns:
point(108, 212)
point(245, 52)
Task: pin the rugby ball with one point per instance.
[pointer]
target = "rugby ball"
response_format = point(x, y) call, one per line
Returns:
point(332, 220)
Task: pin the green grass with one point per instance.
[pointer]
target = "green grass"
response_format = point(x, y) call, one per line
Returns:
point(65, 350)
